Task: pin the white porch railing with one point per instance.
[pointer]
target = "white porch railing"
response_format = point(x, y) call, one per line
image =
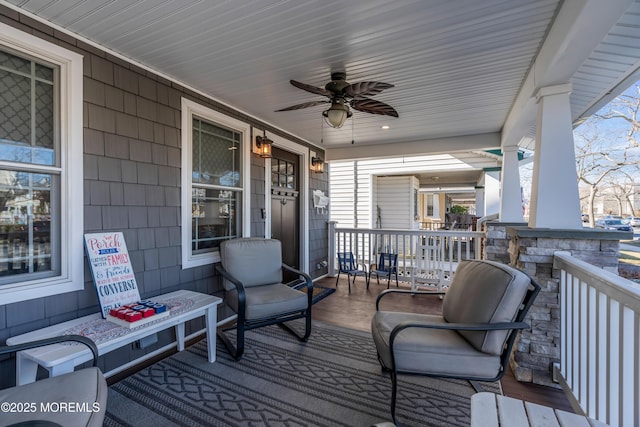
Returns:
point(600, 341)
point(366, 244)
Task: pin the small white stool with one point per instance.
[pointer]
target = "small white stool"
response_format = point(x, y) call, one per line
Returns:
point(488, 410)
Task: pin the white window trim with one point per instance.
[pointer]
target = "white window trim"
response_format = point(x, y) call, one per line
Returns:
point(71, 276)
point(189, 109)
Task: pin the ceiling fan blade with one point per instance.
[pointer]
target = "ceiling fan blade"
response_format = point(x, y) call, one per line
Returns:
point(372, 106)
point(312, 89)
point(366, 88)
point(304, 105)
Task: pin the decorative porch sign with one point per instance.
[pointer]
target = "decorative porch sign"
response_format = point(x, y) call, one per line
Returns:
point(111, 270)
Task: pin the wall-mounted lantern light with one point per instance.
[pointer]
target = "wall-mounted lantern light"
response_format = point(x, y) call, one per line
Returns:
point(317, 164)
point(262, 146)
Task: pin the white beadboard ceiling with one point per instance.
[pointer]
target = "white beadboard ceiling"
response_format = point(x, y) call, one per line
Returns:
point(457, 66)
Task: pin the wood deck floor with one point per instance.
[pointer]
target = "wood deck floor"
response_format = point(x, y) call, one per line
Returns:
point(355, 310)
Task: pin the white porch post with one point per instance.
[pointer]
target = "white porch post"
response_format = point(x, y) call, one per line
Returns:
point(555, 202)
point(480, 200)
point(332, 249)
point(491, 192)
point(511, 195)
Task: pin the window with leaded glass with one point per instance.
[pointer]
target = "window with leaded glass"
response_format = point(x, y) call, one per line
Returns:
point(212, 177)
point(41, 179)
point(30, 172)
point(216, 185)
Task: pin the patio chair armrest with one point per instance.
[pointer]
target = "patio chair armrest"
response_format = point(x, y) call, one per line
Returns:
point(402, 291)
point(307, 280)
point(455, 327)
point(242, 296)
point(306, 277)
point(53, 340)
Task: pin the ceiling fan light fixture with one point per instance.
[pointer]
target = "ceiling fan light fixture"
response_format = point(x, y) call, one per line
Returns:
point(337, 114)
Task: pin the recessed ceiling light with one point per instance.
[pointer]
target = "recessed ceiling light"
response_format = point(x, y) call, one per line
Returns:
point(385, 127)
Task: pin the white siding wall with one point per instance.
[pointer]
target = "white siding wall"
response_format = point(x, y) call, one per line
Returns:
point(341, 192)
point(366, 216)
point(355, 178)
point(395, 197)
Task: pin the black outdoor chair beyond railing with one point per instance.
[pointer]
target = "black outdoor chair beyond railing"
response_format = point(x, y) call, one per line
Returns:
point(348, 265)
point(482, 312)
point(252, 270)
point(86, 388)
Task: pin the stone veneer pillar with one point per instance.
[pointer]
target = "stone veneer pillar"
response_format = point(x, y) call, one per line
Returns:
point(531, 250)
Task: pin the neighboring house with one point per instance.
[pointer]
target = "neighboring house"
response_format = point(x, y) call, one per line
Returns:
point(372, 193)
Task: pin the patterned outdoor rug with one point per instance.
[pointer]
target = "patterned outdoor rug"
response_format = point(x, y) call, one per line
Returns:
point(332, 380)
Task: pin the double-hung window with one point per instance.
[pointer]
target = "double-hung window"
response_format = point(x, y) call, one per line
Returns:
point(214, 147)
point(41, 215)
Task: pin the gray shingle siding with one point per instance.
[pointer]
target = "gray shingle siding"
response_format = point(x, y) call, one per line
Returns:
point(132, 162)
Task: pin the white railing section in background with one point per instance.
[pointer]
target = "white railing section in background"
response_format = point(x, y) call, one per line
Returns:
point(600, 341)
point(366, 244)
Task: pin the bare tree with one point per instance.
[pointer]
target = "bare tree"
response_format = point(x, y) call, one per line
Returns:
point(608, 151)
point(594, 163)
point(626, 108)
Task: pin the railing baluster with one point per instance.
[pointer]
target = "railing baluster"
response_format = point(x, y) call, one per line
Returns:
point(627, 369)
point(600, 341)
point(615, 345)
point(582, 340)
point(366, 244)
point(592, 345)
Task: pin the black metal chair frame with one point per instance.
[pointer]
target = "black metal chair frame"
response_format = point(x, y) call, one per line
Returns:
point(514, 327)
point(347, 264)
point(9, 349)
point(382, 269)
point(242, 324)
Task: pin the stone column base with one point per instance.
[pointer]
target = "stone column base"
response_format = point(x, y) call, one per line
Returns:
point(531, 250)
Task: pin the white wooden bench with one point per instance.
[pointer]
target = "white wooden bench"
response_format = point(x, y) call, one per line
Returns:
point(63, 358)
point(489, 410)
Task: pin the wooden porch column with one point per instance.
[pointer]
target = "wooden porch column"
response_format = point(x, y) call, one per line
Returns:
point(555, 201)
point(511, 194)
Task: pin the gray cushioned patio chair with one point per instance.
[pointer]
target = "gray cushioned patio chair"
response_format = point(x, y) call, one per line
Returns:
point(86, 387)
point(481, 314)
point(252, 271)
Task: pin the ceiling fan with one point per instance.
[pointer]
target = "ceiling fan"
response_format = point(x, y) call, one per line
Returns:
point(341, 95)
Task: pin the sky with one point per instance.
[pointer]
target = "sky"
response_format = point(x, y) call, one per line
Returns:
point(611, 134)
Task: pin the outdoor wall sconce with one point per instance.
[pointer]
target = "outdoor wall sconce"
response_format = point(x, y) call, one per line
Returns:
point(262, 146)
point(317, 164)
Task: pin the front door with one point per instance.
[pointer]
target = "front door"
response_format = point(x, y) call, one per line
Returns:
point(285, 206)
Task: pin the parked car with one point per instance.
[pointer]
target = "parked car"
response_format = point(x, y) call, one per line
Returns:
point(633, 221)
point(609, 216)
point(613, 224)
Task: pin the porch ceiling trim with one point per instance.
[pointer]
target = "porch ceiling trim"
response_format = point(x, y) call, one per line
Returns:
point(578, 28)
point(431, 146)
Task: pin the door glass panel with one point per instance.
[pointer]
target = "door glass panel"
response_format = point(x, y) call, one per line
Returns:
point(283, 174)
